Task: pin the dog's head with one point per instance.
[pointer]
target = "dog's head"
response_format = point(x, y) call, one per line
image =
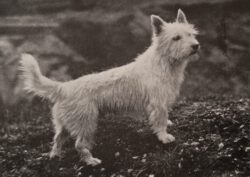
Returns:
point(176, 40)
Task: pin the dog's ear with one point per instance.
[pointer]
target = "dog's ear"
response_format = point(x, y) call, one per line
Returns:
point(181, 17)
point(157, 24)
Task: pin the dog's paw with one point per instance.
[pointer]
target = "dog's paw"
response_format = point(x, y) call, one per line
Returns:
point(170, 123)
point(93, 161)
point(165, 138)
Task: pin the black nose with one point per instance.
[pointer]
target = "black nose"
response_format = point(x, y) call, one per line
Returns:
point(195, 46)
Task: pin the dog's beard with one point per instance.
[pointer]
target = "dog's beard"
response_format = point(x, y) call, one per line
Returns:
point(190, 56)
point(193, 52)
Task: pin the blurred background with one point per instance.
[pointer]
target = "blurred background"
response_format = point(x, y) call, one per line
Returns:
point(75, 37)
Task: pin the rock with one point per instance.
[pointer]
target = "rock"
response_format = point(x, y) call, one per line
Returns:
point(117, 154)
point(55, 58)
point(221, 145)
point(247, 149)
point(194, 143)
point(10, 86)
point(135, 157)
point(130, 170)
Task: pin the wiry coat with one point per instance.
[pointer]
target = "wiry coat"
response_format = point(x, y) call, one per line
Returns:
point(149, 84)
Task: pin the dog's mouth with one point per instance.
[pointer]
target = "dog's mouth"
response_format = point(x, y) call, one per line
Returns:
point(193, 52)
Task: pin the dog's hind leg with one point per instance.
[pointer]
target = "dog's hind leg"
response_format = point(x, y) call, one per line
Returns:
point(60, 137)
point(82, 125)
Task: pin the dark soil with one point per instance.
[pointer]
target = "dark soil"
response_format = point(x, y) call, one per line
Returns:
point(212, 140)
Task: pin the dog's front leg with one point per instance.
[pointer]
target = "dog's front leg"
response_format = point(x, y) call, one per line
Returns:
point(158, 119)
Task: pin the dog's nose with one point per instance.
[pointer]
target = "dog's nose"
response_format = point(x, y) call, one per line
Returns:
point(195, 46)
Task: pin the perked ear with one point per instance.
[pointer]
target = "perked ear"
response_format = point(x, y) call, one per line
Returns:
point(181, 17)
point(157, 24)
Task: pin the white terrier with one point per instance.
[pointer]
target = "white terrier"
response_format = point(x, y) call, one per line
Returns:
point(149, 85)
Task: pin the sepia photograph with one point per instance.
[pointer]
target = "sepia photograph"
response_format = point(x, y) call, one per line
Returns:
point(124, 88)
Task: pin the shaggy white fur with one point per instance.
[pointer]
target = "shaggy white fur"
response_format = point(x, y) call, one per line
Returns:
point(149, 85)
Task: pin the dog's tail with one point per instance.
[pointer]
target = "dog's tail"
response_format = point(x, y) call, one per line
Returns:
point(35, 82)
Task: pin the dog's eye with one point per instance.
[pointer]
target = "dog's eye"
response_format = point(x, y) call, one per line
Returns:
point(176, 38)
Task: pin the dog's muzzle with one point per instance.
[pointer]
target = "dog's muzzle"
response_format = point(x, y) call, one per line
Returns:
point(195, 48)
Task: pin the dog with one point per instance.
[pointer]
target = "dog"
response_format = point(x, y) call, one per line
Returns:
point(150, 85)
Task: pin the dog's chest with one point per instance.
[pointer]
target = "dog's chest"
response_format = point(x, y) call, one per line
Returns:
point(165, 88)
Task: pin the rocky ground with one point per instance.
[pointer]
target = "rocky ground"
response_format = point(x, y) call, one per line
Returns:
point(212, 139)
point(211, 117)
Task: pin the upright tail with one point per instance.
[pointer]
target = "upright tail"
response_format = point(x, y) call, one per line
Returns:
point(35, 82)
